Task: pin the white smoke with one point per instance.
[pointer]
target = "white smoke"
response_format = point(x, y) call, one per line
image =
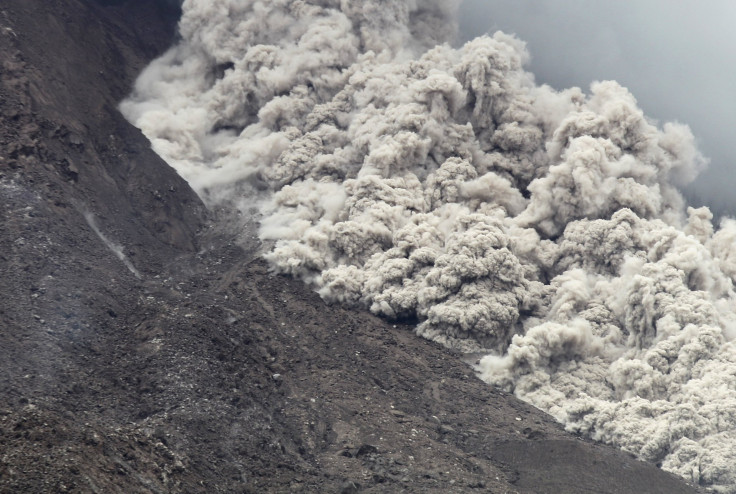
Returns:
point(424, 182)
point(114, 247)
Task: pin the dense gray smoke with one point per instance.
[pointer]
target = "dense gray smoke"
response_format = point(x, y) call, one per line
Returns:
point(424, 182)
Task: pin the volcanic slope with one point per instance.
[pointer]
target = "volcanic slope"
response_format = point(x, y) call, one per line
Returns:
point(143, 349)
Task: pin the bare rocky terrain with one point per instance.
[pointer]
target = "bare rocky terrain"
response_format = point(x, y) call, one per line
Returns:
point(145, 347)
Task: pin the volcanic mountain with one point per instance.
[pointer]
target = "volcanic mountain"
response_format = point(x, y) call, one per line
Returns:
point(146, 347)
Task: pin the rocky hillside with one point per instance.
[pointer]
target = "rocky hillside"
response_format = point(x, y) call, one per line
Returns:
point(144, 349)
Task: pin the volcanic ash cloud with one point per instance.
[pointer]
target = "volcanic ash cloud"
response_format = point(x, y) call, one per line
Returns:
point(443, 185)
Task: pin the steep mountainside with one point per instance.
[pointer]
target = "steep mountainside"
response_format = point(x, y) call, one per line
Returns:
point(144, 349)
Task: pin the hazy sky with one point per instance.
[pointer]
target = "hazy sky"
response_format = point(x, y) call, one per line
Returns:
point(677, 57)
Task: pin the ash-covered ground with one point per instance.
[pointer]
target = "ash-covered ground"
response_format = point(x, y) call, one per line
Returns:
point(145, 347)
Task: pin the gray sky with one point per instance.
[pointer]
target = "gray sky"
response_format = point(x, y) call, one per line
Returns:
point(677, 57)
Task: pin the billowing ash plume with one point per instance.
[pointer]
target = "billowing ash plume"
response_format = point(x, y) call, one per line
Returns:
point(424, 182)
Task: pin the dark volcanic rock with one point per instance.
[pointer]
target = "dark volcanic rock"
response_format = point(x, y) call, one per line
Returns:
point(138, 355)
